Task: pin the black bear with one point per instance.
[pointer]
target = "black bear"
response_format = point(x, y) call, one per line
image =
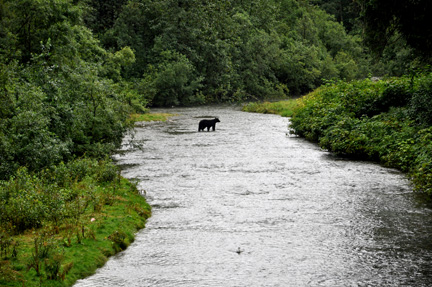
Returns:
point(208, 124)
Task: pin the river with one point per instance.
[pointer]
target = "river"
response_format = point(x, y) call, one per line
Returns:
point(249, 205)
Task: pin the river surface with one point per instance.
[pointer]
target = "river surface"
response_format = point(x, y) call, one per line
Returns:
point(248, 205)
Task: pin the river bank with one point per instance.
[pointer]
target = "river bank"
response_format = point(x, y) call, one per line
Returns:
point(388, 121)
point(96, 223)
point(61, 224)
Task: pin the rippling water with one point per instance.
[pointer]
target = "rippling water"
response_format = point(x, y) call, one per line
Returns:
point(298, 215)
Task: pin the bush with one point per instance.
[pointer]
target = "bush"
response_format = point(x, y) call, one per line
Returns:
point(375, 121)
point(283, 108)
point(21, 204)
point(64, 191)
point(395, 93)
point(173, 82)
point(421, 108)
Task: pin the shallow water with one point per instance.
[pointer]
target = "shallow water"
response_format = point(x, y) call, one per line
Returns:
point(299, 215)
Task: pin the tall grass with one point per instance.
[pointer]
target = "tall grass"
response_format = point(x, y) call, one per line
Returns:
point(149, 117)
point(283, 108)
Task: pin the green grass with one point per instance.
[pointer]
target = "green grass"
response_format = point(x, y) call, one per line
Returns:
point(149, 117)
point(283, 108)
point(97, 229)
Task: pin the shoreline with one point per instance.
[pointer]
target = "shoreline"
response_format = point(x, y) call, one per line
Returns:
point(61, 254)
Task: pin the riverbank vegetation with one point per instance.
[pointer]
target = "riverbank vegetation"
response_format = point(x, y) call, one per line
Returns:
point(284, 108)
point(64, 109)
point(61, 225)
point(149, 117)
point(388, 121)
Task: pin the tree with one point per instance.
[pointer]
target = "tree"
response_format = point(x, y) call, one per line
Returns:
point(385, 20)
point(345, 11)
point(173, 81)
point(102, 14)
point(59, 89)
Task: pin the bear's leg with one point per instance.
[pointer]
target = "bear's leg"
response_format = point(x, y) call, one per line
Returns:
point(214, 126)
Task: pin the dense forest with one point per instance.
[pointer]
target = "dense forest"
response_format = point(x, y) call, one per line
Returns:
point(73, 71)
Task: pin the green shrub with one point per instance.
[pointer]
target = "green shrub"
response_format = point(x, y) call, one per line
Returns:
point(421, 108)
point(106, 172)
point(64, 191)
point(21, 202)
point(395, 93)
point(388, 121)
point(284, 108)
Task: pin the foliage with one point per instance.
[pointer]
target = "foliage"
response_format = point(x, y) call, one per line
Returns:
point(387, 121)
point(409, 19)
point(118, 239)
point(173, 81)
point(48, 251)
point(283, 108)
point(62, 94)
point(175, 52)
point(149, 117)
point(420, 103)
point(26, 200)
point(101, 15)
point(230, 50)
point(345, 11)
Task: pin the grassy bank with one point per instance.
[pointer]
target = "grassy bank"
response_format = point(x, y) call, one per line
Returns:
point(388, 121)
point(284, 108)
point(63, 223)
point(149, 117)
